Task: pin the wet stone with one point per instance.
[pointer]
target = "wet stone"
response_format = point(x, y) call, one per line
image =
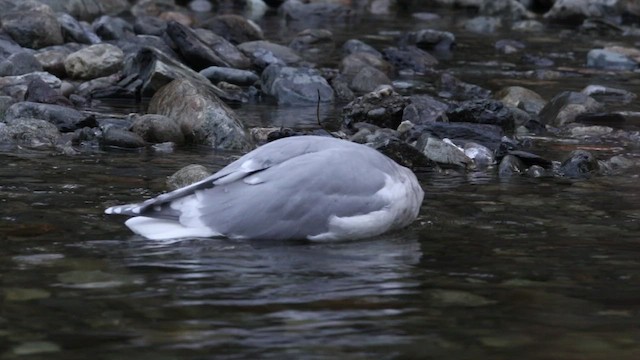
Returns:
point(368, 79)
point(423, 109)
point(442, 151)
point(610, 60)
point(410, 58)
point(112, 28)
point(230, 75)
point(511, 165)
point(382, 107)
point(234, 28)
point(296, 86)
point(353, 46)
point(94, 61)
point(187, 176)
point(489, 112)
point(31, 24)
point(442, 297)
point(430, 39)
point(155, 128)
point(580, 164)
point(566, 106)
point(119, 138)
point(19, 64)
point(521, 98)
point(264, 53)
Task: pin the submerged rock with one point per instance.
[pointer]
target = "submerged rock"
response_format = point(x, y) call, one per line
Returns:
point(295, 86)
point(201, 115)
point(579, 165)
point(511, 165)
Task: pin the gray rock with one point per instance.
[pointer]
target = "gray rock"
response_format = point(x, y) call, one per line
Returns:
point(521, 98)
point(295, 86)
point(230, 75)
point(351, 64)
point(572, 9)
point(149, 25)
point(224, 49)
point(40, 92)
point(64, 118)
point(234, 28)
point(486, 135)
point(353, 46)
point(112, 28)
point(481, 155)
point(609, 95)
point(508, 46)
point(94, 61)
point(368, 79)
point(424, 109)
point(187, 176)
point(452, 87)
point(483, 24)
point(609, 60)
point(264, 53)
point(383, 108)
point(313, 13)
point(511, 165)
point(88, 10)
point(195, 52)
point(410, 58)
point(120, 138)
point(154, 128)
point(313, 44)
point(8, 46)
point(201, 115)
point(579, 165)
point(442, 151)
point(564, 108)
point(482, 111)
point(5, 103)
point(20, 63)
point(429, 39)
point(34, 133)
point(52, 59)
point(528, 26)
point(341, 88)
point(387, 142)
point(16, 86)
point(30, 23)
point(73, 31)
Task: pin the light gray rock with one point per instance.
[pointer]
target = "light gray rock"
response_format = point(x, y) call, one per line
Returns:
point(610, 60)
point(295, 86)
point(264, 53)
point(521, 98)
point(368, 79)
point(94, 61)
point(29, 132)
point(187, 176)
point(201, 115)
point(355, 46)
point(30, 23)
point(442, 151)
point(230, 75)
point(352, 64)
point(566, 106)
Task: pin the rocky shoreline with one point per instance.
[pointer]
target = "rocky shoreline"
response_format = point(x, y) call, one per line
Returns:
point(196, 60)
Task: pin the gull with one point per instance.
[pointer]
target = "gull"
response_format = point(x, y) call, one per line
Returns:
point(302, 187)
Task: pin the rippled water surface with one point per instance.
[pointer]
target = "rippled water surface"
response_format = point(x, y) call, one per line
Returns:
point(492, 269)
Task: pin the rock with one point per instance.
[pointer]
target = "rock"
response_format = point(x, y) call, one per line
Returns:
point(483, 24)
point(382, 107)
point(536, 171)
point(341, 88)
point(442, 151)
point(579, 165)
point(423, 109)
point(112, 28)
point(230, 75)
point(73, 31)
point(486, 135)
point(610, 95)
point(490, 112)
point(410, 58)
point(481, 155)
point(40, 92)
point(528, 26)
point(530, 159)
point(313, 43)
point(149, 25)
point(575, 10)
point(510, 165)
point(564, 108)
point(224, 49)
point(234, 28)
point(20, 63)
point(94, 61)
point(368, 79)
point(264, 53)
point(201, 115)
point(114, 137)
point(429, 39)
point(452, 87)
point(64, 118)
point(609, 60)
point(16, 86)
point(445, 297)
point(353, 46)
point(5, 103)
point(313, 13)
point(508, 46)
point(88, 10)
point(28, 132)
point(521, 98)
point(194, 51)
point(155, 128)
point(590, 131)
point(387, 142)
point(36, 347)
point(295, 86)
point(30, 23)
point(187, 176)
point(352, 64)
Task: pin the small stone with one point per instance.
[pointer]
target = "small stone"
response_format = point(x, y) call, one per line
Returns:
point(187, 176)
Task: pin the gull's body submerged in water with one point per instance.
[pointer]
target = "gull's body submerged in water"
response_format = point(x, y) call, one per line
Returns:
point(304, 187)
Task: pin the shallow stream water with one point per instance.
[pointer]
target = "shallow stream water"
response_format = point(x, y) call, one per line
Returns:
point(493, 268)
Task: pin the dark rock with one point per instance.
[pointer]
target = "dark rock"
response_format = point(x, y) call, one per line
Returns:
point(536, 60)
point(579, 165)
point(452, 87)
point(353, 46)
point(368, 79)
point(314, 13)
point(122, 139)
point(201, 115)
point(64, 118)
point(264, 53)
point(341, 88)
point(410, 58)
point(295, 86)
point(234, 28)
point(511, 165)
point(112, 28)
point(402, 153)
point(482, 112)
point(29, 132)
point(30, 23)
point(8, 46)
point(224, 49)
point(536, 171)
point(602, 119)
point(155, 128)
point(530, 159)
point(187, 176)
point(564, 108)
point(521, 98)
point(52, 60)
point(423, 109)
point(486, 135)
point(94, 61)
point(230, 75)
point(19, 64)
point(429, 39)
point(16, 86)
point(508, 46)
point(383, 108)
point(352, 64)
point(194, 51)
point(313, 43)
point(5, 103)
point(73, 31)
point(149, 25)
point(40, 92)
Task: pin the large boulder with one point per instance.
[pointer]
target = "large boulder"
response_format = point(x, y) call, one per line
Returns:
point(30, 23)
point(296, 86)
point(29, 132)
point(94, 61)
point(201, 115)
